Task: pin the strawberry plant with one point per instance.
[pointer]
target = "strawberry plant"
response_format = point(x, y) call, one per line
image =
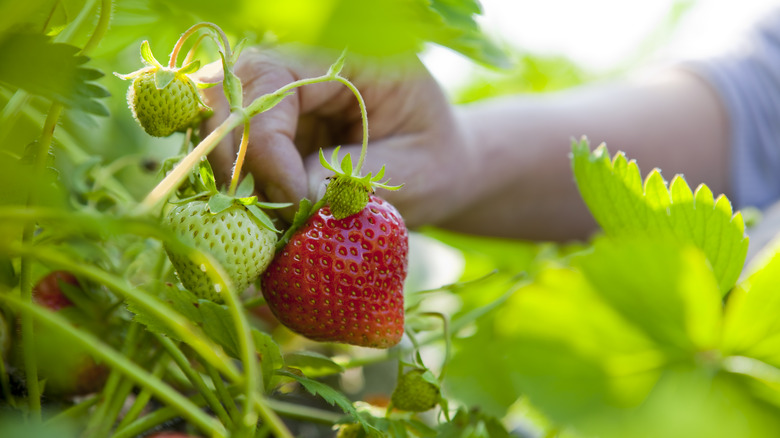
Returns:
point(140, 298)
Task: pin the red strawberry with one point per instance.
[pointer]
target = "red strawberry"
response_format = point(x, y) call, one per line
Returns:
point(341, 280)
point(67, 369)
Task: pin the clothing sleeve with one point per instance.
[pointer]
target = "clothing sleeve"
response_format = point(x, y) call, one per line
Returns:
point(747, 79)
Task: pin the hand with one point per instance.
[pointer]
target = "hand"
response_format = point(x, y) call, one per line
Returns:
point(413, 131)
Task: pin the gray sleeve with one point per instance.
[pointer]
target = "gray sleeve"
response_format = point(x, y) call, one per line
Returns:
point(748, 82)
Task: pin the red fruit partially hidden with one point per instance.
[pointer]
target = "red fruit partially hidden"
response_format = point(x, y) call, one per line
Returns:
point(341, 280)
point(67, 369)
point(48, 292)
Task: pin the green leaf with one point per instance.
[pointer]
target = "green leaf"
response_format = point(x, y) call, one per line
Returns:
point(270, 357)
point(624, 206)
point(337, 66)
point(664, 289)
point(346, 165)
point(217, 323)
point(246, 187)
point(265, 102)
point(190, 68)
point(273, 205)
point(328, 394)
point(262, 217)
point(179, 300)
point(608, 364)
point(163, 77)
point(751, 326)
point(56, 72)
point(312, 364)
point(219, 202)
point(207, 177)
point(147, 56)
point(231, 85)
point(237, 49)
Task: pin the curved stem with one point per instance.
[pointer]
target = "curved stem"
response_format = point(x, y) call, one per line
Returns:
point(100, 29)
point(363, 116)
point(447, 342)
point(189, 32)
point(239, 160)
point(191, 52)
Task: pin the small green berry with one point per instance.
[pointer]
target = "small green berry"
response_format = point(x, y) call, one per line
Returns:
point(163, 111)
point(415, 392)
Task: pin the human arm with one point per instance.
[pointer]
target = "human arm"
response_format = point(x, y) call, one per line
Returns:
point(499, 167)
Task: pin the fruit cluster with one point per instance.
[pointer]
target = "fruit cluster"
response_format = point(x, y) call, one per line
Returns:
point(340, 275)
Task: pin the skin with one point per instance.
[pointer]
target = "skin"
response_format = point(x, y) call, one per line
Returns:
point(499, 167)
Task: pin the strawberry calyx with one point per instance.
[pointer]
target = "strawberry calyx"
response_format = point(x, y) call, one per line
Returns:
point(164, 76)
point(348, 192)
point(205, 188)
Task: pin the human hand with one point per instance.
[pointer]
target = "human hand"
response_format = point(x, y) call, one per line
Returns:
point(413, 131)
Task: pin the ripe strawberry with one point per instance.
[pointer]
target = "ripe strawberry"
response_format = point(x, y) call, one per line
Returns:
point(416, 391)
point(236, 239)
point(66, 368)
point(163, 100)
point(341, 280)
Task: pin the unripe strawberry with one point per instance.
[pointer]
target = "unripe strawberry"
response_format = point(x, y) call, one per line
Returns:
point(237, 240)
point(416, 392)
point(342, 280)
point(352, 430)
point(163, 111)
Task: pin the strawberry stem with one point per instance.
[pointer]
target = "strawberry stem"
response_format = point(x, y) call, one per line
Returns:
point(194, 377)
point(239, 159)
point(189, 32)
point(363, 116)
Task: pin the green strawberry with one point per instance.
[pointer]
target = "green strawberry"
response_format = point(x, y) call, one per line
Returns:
point(416, 391)
point(163, 111)
point(163, 100)
point(243, 246)
point(351, 430)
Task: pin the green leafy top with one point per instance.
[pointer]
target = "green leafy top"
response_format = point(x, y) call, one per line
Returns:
point(163, 76)
point(205, 187)
point(348, 192)
point(624, 205)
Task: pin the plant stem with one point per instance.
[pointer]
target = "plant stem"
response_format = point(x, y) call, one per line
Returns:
point(172, 181)
point(100, 29)
point(181, 361)
point(152, 305)
point(189, 32)
point(230, 404)
point(364, 118)
point(98, 421)
point(41, 154)
point(143, 397)
point(74, 411)
point(300, 412)
point(159, 416)
point(239, 160)
point(116, 360)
